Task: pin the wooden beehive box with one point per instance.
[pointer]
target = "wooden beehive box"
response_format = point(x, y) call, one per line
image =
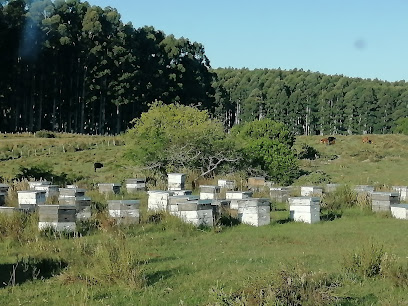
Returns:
point(279, 194)
point(254, 211)
point(109, 188)
point(381, 201)
point(364, 189)
point(29, 199)
point(308, 191)
point(305, 209)
point(135, 185)
point(58, 217)
point(176, 181)
point(4, 188)
point(71, 192)
point(227, 184)
point(403, 192)
point(2, 198)
point(158, 200)
point(50, 190)
point(400, 211)
point(124, 211)
point(209, 192)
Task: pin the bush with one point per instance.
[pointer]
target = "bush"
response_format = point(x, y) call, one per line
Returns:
point(307, 152)
point(45, 134)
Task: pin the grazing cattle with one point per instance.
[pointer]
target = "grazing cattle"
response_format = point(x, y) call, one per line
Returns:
point(328, 140)
point(97, 166)
point(367, 140)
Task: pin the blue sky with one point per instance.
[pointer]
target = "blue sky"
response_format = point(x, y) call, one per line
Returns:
point(367, 39)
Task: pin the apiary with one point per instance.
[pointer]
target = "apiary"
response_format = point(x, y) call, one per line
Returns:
point(176, 181)
point(305, 209)
point(124, 211)
point(58, 217)
point(254, 211)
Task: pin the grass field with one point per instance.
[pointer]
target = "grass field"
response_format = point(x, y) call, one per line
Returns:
point(360, 258)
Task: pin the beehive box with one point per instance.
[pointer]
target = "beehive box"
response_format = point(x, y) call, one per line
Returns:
point(363, 189)
point(400, 211)
point(158, 200)
point(124, 211)
point(175, 200)
point(381, 201)
point(50, 190)
point(209, 192)
point(332, 187)
point(258, 181)
point(305, 209)
point(220, 208)
point(308, 191)
point(81, 204)
point(4, 188)
point(135, 185)
point(403, 192)
point(72, 186)
point(279, 194)
point(176, 181)
point(109, 188)
point(29, 199)
point(71, 192)
point(33, 184)
point(182, 192)
point(198, 213)
point(58, 217)
point(227, 184)
point(234, 196)
point(8, 210)
point(254, 211)
point(2, 198)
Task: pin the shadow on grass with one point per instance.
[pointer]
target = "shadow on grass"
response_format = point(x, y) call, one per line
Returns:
point(157, 276)
point(369, 299)
point(228, 221)
point(28, 269)
point(330, 216)
point(283, 221)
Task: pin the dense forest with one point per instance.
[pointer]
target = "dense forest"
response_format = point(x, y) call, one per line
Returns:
point(69, 66)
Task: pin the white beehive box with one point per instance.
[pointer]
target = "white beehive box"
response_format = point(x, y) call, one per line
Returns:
point(227, 184)
point(29, 199)
point(308, 191)
point(124, 211)
point(4, 188)
point(81, 204)
point(254, 211)
point(403, 192)
point(209, 192)
point(50, 190)
point(400, 211)
point(135, 185)
point(158, 200)
point(176, 181)
point(182, 192)
point(332, 187)
point(381, 201)
point(58, 217)
point(175, 200)
point(234, 196)
point(198, 213)
point(33, 184)
point(109, 188)
point(305, 209)
point(279, 194)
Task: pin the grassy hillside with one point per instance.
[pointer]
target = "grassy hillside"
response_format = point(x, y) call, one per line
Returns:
point(357, 259)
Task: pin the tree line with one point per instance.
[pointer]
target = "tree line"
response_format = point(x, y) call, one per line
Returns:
point(69, 66)
point(72, 67)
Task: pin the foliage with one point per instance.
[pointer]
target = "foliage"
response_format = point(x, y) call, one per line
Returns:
point(307, 152)
point(401, 126)
point(44, 134)
point(343, 197)
point(267, 149)
point(174, 137)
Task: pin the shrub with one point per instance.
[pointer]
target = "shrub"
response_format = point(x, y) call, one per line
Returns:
point(308, 152)
point(45, 134)
point(366, 262)
point(342, 197)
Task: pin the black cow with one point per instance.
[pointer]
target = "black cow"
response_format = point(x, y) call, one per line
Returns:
point(97, 166)
point(332, 140)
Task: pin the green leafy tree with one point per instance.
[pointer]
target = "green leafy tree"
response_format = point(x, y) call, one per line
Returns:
point(267, 149)
point(401, 126)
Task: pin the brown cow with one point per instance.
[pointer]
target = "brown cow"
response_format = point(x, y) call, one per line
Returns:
point(367, 140)
point(328, 140)
point(324, 140)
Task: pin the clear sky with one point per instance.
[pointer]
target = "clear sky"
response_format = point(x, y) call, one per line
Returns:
point(356, 38)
